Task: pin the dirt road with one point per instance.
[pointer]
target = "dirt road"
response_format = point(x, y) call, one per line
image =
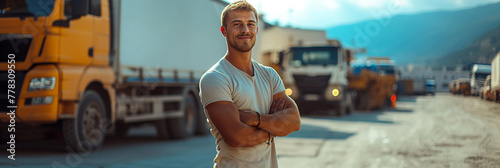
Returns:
point(429, 131)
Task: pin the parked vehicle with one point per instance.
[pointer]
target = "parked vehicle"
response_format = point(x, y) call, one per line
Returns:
point(463, 86)
point(419, 86)
point(495, 78)
point(374, 83)
point(478, 77)
point(405, 87)
point(71, 72)
point(485, 92)
point(430, 86)
point(315, 77)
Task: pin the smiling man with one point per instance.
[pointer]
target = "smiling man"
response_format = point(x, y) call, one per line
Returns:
point(244, 101)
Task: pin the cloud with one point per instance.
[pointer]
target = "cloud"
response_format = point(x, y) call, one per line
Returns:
point(366, 4)
point(322, 14)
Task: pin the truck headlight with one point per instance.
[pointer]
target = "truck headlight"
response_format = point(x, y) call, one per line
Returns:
point(292, 92)
point(335, 92)
point(289, 91)
point(44, 83)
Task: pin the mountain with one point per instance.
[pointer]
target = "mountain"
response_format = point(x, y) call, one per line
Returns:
point(419, 38)
point(482, 50)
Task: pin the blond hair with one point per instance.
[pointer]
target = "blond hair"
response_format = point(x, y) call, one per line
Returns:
point(237, 5)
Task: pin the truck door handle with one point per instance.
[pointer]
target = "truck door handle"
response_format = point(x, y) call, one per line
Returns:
point(91, 52)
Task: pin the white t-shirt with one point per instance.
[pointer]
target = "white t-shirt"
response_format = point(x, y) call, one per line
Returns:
point(224, 82)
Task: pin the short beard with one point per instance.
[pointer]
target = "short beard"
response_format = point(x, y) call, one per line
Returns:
point(241, 48)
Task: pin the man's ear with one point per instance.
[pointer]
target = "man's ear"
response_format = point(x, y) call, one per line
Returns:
point(222, 30)
point(257, 29)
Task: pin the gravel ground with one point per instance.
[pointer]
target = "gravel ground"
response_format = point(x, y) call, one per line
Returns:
point(427, 131)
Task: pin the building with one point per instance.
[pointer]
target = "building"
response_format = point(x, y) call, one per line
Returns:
point(442, 77)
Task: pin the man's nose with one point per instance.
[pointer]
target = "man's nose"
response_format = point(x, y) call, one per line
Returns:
point(245, 29)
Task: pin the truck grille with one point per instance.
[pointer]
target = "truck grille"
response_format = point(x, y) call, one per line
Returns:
point(17, 44)
point(480, 83)
point(311, 84)
point(4, 101)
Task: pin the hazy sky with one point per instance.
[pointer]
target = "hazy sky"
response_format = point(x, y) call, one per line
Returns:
point(321, 14)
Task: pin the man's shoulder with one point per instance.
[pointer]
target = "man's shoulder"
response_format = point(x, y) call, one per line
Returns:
point(216, 72)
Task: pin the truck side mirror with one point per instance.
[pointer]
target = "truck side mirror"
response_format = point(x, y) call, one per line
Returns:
point(79, 8)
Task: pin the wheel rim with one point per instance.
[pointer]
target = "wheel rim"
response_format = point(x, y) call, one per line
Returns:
point(91, 123)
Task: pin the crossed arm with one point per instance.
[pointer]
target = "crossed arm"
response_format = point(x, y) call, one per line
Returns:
point(238, 127)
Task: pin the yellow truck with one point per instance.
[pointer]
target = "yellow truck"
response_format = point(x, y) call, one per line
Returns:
point(462, 86)
point(373, 82)
point(61, 66)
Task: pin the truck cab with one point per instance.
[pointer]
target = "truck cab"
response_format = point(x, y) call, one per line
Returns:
point(61, 72)
point(478, 77)
point(316, 77)
point(430, 86)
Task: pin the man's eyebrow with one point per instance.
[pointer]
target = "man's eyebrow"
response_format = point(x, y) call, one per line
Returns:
point(253, 21)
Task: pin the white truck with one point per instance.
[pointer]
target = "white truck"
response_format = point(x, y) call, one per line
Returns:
point(312, 68)
point(316, 77)
point(495, 78)
point(479, 73)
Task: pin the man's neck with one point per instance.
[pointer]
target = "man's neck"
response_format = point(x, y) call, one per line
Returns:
point(241, 60)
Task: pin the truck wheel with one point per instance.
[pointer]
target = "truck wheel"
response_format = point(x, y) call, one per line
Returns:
point(162, 129)
point(340, 108)
point(350, 103)
point(362, 101)
point(202, 125)
point(121, 129)
point(496, 97)
point(185, 126)
point(86, 133)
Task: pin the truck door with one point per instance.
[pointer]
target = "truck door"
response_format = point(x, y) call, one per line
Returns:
point(76, 37)
point(100, 44)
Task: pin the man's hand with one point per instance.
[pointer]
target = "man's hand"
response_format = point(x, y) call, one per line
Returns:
point(277, 105)
point(226, 119)
point(283, 117)
point(249, 117)
point(252, 119)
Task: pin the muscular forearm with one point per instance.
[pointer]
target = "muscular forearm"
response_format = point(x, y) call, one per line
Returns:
point(281, 123)
point(248, 136)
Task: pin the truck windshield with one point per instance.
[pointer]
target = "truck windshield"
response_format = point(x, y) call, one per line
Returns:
point(314, 56)
point(387, 69)
point(22, 8)
point(481, 75)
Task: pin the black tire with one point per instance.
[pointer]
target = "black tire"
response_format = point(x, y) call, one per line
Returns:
point(86, 132)
point(350, 103)
point(121, 129)
point(185, 126)
point(340, 108)
point(162, 129)
point(362, 101)
point(202, 125)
